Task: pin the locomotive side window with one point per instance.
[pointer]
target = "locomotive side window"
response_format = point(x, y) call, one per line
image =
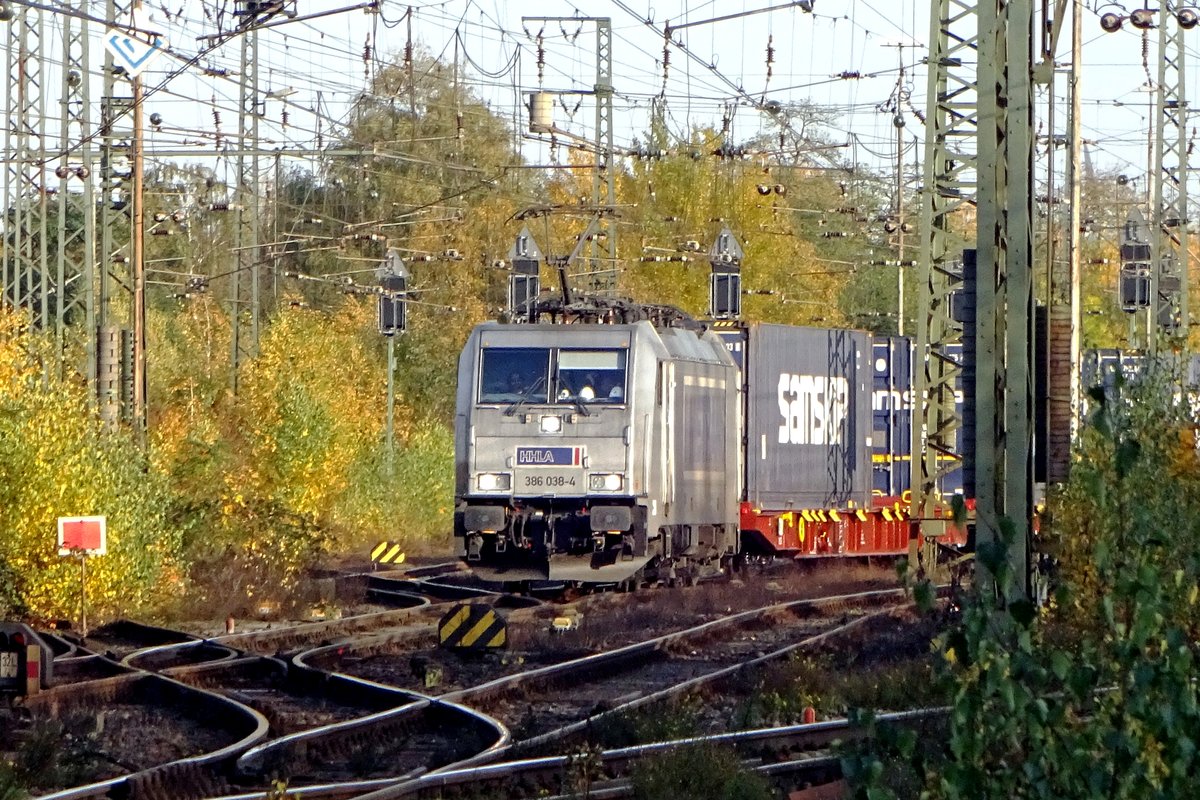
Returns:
point(591, 376)
point(512, 374)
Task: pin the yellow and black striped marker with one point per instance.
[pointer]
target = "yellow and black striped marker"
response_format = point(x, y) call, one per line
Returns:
point(387, 553)
point(473, 626)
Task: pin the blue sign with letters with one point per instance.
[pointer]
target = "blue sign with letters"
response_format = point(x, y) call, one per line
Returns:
point(549, 456)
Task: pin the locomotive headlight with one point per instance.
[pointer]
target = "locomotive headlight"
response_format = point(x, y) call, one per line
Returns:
point(605, 482)
point(494, 481)
point(550, 423)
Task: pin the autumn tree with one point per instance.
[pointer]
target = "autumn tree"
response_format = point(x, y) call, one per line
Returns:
point(57, 460)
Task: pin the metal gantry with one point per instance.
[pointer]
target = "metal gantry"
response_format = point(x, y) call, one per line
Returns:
point(947, 201)
point(1004, 398)
point(1169, 233)
point(75, 259)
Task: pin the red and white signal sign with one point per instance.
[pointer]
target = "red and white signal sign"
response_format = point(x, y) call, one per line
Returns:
point(82, 536)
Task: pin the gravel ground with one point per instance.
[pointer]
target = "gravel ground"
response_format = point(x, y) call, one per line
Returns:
point(606, 621)
point(545, 709)
point(123, 738)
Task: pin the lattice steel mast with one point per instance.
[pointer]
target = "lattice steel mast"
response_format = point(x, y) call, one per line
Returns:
point(1004, 400)
point(1169, 217)
point(947, 195)
point(26, 282)
point(604, 195)
point(75, 261)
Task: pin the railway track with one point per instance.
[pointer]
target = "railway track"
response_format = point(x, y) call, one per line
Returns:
point(546, 705)
point(505, 693)
point(332, 728)
point(140, 735)
point(408, 657)
point(792, 757)
point(324, 729)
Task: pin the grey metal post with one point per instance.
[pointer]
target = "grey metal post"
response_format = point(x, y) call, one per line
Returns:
point(244, 288)
point(1004, 382)
point(390, 451)
point(900, 229)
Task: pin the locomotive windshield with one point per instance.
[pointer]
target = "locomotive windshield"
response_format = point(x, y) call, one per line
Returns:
point(591, 376)
point(511, 374)
point(542, 375)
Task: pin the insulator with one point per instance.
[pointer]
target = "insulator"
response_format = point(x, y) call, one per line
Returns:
point(458, 122)
point(283, 117)
point(541, 58)
point(156, 119)
point(160, 216)
point(83, 172)
point(62, 172)
point(160, 232)
point(221, 206)
point(178, 217)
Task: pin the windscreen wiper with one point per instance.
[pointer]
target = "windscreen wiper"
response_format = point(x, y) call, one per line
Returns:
point(524, 397)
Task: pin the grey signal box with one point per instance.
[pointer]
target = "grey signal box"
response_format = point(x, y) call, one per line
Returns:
point(1133, 284)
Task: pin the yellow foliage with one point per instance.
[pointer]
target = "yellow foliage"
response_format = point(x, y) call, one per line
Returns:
point(56, 460)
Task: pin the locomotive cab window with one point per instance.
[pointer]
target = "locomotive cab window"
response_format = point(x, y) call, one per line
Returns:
point(591, 376)
point(513, 374)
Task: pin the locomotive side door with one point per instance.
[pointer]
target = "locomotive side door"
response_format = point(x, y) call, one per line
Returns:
point(667, 395)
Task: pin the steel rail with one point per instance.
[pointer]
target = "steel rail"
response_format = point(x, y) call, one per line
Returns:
point(608, 657)
point(181, 779)
point(686, 686)
point(540, 773)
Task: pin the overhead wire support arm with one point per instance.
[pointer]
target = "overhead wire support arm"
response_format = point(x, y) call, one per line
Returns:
point(803, 5)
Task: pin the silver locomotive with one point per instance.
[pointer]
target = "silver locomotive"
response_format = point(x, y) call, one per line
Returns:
point(596, 453)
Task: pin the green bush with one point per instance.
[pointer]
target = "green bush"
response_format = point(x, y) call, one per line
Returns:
point(1096, 696)
point(702, 772)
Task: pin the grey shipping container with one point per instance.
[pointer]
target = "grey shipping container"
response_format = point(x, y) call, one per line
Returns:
point(808, 417)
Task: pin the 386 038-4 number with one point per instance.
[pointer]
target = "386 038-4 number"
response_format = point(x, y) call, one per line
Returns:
point(548, 481)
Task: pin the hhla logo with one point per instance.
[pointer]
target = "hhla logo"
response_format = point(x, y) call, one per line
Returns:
point(813, 408)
